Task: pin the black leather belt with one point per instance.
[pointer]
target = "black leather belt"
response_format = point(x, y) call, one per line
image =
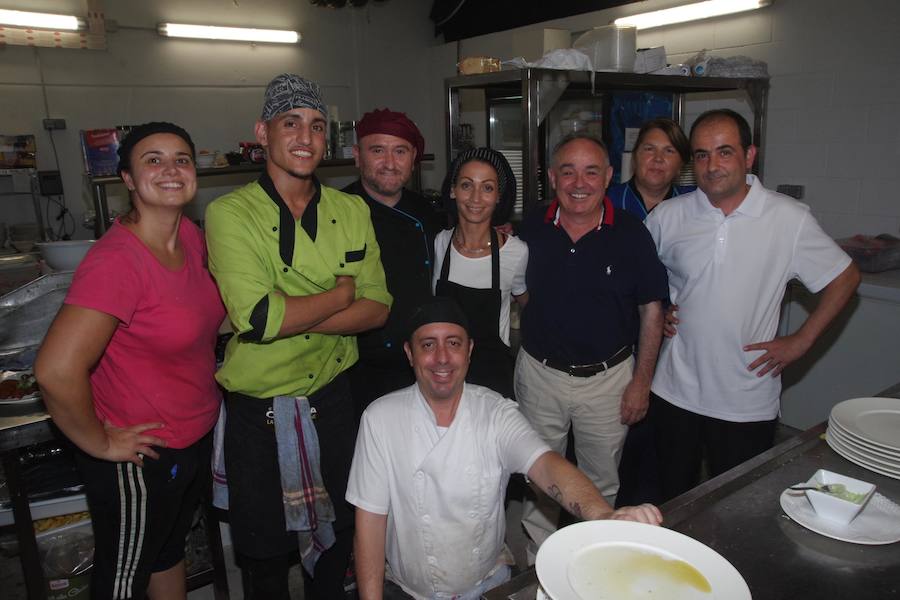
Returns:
point(593, 368)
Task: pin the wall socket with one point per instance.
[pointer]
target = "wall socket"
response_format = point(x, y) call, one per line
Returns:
point(51, 124)
point(794, 191)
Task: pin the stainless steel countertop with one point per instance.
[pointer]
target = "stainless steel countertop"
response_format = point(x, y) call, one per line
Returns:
point(738, 515)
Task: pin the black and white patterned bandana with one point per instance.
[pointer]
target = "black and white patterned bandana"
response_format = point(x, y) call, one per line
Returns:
point(289, 91)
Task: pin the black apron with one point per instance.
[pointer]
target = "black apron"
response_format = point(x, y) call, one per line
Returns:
point(492, 363)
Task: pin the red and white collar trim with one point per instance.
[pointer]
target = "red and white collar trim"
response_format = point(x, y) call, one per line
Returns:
point(607, 216)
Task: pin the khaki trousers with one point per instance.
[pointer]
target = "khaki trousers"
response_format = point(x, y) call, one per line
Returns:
point(554, 401)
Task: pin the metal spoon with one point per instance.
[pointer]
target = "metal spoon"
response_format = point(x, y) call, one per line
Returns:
point(828, 488)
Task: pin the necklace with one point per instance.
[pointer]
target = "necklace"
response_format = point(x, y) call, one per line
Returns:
point(464, 248)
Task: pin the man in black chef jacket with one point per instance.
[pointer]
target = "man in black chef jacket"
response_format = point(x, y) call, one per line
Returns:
point(389, 147)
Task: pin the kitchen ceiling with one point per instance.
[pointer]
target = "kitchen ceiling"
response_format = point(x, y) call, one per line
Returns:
point(460, 19)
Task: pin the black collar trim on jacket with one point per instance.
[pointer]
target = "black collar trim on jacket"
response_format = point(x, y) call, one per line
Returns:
point(309, 220)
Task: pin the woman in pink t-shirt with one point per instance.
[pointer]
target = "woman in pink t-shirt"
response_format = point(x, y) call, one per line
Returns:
point(127, 371)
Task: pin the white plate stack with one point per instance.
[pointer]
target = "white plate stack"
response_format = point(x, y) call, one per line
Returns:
point(866, 431)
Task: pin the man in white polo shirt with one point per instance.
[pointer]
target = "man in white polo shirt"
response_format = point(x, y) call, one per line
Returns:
point(730, 248)
point(430, 470)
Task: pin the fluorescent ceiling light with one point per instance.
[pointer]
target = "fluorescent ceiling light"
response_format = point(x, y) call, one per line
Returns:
point(241, 34)
point(690, 12)
point(20, 18)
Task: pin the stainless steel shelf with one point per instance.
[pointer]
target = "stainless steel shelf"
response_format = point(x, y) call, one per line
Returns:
point(540, 89)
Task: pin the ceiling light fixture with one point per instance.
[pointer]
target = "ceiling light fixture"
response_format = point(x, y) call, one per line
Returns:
point(690, 12)
point(240, 34)
point(21, 18)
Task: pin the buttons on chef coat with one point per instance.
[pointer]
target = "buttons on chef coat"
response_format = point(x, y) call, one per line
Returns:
point(426, 518)
point(432, 560)
point(473, 514)
point(333, 221)
point(274, 229)
point(420, 475)
point(285, 269)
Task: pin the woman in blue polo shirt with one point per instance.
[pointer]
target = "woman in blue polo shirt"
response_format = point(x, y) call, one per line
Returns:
point(658, 154)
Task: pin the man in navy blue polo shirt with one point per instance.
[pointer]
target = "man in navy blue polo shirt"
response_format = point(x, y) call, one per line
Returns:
point(595, 285)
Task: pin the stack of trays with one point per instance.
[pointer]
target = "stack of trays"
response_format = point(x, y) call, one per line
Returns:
point(866, 431)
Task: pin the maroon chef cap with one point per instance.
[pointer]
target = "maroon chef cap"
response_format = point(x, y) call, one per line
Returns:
point(389, 122)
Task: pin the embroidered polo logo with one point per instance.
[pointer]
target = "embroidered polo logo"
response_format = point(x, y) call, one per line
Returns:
point(609, 269)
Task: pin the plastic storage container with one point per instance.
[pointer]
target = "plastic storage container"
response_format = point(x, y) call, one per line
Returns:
point(67, 555)
point(610, 48)
point(873, 254)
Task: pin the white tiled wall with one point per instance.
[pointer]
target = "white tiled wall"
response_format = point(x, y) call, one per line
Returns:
point(833, 121)
point(833, 108)
point(362, 58)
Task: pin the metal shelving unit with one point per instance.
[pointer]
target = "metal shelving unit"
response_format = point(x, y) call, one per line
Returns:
point(31, 175)
point(540, 89)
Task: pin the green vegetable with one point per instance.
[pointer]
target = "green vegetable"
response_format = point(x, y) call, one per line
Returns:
point(839, 490)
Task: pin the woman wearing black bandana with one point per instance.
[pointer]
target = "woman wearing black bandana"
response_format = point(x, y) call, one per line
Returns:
point(481, 268)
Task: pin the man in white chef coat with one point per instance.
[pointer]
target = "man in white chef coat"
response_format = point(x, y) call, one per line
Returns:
point(430, 471)
point(730, 248)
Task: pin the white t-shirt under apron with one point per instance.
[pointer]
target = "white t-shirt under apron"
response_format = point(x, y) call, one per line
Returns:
point(476, 272)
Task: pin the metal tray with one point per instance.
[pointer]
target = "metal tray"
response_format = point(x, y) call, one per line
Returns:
point(26, 312)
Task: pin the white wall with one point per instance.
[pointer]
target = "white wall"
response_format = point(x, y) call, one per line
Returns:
point(833, 103)
point(834, 100)
point(213, 89)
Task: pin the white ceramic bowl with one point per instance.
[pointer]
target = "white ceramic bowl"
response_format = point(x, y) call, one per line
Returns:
point(830, 506)
point(206, 161)
point(64, 256)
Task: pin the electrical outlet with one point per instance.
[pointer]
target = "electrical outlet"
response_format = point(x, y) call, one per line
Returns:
point(51, 124)
point(794, 191)
point(50, 183)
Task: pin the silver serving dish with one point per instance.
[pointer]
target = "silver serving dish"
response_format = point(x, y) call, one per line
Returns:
point(27, 312)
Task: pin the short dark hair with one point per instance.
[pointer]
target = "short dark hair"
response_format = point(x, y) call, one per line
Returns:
point(726, 113)
point(578, 135)
point(136, 134)
point(672, 130)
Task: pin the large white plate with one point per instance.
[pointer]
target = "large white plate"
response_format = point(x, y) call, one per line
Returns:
point(877, 523)
point(874, 419)
point(558, 559)
point(869, 459)
point(857, 442)
point(854, 458)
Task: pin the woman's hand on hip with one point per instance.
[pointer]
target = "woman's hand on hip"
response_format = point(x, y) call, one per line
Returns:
point(131, 444)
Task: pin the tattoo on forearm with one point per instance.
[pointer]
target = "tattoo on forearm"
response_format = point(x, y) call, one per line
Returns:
point(555, 492)
point(575, 509)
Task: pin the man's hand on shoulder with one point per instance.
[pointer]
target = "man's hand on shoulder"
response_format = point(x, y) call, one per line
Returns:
point(777, 354)
point(642, 513)
point(670, 320)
